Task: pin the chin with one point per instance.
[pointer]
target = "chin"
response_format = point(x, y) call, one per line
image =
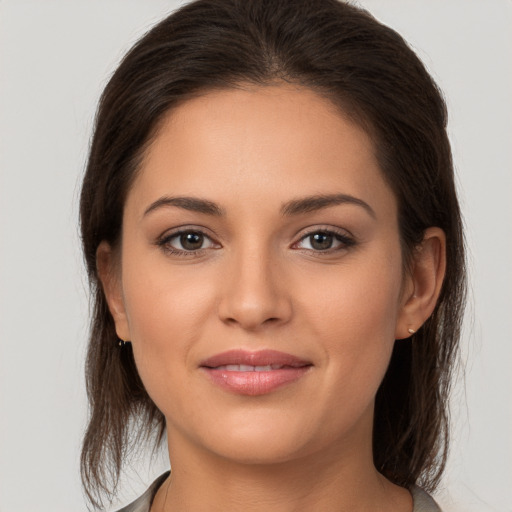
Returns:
point(260, 450)
point(266, 437)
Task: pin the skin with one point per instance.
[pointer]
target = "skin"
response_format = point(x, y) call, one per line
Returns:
point(257, 282)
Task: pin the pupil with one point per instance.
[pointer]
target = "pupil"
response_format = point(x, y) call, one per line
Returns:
point(321, 241)
point(191, 241)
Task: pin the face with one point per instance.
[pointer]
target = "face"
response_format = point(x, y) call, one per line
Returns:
point(260, 276)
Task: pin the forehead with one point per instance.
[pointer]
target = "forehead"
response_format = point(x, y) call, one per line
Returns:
point(259, 144)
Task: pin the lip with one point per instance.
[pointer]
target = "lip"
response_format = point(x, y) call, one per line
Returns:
point(231, 370)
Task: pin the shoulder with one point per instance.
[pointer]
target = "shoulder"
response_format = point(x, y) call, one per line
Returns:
point(143, 503)
point(423, 502)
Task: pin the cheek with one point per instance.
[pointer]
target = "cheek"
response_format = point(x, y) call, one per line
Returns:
point(361, 296)
point(354, 312)
point(167, 309)
point(158, 308)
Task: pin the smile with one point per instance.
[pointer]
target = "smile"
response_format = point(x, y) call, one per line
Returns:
point(249, 368)
point(254, 373)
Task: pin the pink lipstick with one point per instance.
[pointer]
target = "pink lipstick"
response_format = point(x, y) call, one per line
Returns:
point(254, 373)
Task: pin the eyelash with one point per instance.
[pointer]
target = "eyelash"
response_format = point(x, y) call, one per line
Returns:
point(165, 241)
point(346, 241)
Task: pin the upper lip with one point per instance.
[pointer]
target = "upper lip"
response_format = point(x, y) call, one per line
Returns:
point(258, 358)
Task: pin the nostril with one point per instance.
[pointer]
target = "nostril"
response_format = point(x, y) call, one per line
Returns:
point(251, 305)
point(272, 320)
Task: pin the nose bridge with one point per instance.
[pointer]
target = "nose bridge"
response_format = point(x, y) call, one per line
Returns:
point(254, 293)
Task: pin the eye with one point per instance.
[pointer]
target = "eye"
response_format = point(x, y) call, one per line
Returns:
point(188, 241)
point(324, 240)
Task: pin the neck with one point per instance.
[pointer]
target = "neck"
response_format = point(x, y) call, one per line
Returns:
point(315, 482)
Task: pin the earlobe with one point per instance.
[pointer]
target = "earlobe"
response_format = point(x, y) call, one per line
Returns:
point(425, 282)
point(109, 275)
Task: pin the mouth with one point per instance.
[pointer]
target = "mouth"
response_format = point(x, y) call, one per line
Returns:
point(254, 373)
point(249, 368)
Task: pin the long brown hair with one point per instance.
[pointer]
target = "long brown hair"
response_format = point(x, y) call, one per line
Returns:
point(367, 70)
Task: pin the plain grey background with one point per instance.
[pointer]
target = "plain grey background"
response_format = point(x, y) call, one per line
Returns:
point(55, 57)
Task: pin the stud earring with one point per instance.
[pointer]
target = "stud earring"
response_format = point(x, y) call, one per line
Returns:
point(122, 343)
point(411, 331)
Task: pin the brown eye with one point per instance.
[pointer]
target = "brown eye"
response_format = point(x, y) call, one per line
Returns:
point(191, 241)
point(324, 241)
point(321, 241)
point(187, 242)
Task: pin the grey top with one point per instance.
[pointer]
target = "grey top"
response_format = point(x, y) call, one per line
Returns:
point(422, 502)
point(143, 503)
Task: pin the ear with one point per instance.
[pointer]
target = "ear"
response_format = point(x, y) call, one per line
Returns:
point(423, 284)
point(109, 273)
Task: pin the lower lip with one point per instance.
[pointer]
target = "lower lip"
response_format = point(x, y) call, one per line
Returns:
point(255, 383)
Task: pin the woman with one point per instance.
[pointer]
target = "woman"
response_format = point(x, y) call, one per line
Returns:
point(274, 244)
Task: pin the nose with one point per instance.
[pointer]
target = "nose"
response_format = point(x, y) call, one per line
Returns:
point(255, 294)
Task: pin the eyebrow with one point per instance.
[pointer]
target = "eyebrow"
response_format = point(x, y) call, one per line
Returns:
point(290, 208)
point(318, 202)
point(193, 204)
